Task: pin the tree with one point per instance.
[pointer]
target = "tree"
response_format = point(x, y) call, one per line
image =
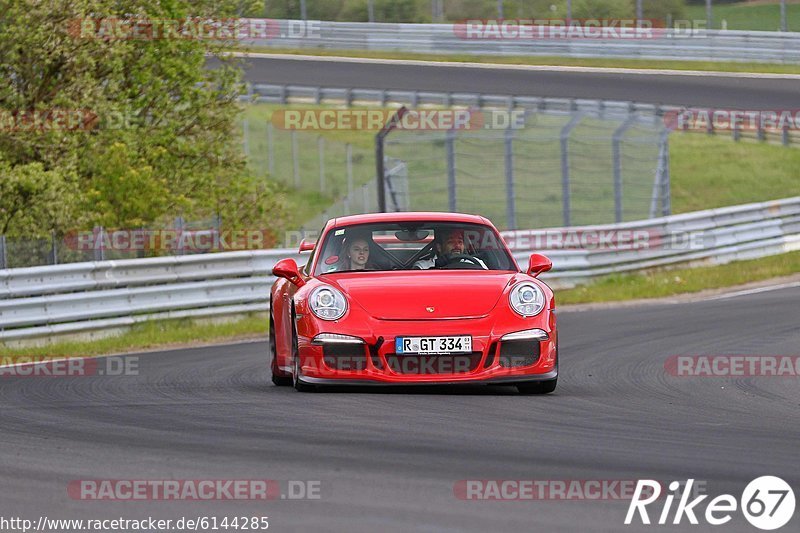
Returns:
point(162, 137)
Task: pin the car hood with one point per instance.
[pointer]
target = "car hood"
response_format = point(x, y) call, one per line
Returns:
point(425, 295)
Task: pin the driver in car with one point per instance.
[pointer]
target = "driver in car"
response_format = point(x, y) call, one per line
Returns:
point(449, 246)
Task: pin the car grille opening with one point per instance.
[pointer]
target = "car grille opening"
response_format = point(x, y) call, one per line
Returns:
point(345, 356)
point(420, 365)
point(514, 354)
point(376, 361)
point(490, 355)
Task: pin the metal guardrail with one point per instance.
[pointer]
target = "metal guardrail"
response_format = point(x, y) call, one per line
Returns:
point(87, 298)
point(697, 45)
point(600, 109)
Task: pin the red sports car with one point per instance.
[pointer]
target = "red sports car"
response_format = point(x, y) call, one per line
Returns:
point(412, 298)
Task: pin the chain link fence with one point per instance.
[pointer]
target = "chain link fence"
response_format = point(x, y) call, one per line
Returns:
point(567, 168)
point(307, 161)
point(181, 237)
point(559, 170)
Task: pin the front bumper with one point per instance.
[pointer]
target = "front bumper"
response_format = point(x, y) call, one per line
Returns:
point(492, 361)
point(509, 380)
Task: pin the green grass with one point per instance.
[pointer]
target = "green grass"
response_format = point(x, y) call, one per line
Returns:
point(662, 283)
point(766, 68)
point(749, 15)
point(714, 171)
point(149, 335)
point(303, 197)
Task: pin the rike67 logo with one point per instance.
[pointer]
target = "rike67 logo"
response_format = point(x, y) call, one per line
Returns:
point(767, 502)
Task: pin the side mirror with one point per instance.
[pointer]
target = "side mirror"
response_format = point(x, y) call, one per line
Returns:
point(538, 263)
point(287, 269)
point(306, 246)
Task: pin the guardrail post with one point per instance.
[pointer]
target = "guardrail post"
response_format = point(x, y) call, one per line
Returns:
point(565, 178)
point(282, 97)
point(785, 135)
point(318, 95)
point(762, 135)
point(511, 207)
point(616, 142)
point(415, 99)
point(295, 160)
point(270, 150)
point(3, 256)
point(451, 169)
point(737, 134)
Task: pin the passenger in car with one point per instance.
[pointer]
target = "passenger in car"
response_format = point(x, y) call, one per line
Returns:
point(354, 255)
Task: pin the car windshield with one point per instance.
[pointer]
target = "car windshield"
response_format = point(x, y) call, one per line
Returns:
point(413, 246)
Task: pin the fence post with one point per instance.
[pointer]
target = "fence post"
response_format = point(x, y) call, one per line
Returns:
point(321, 150)
point(99, 246)
point(295, 160)
point(3, 257)
point(451, 169)
point(616, 141)
point(565, 185)
point(666, 180)
point(661, 183)
point(179, 227)
point(511, 207)
point(246, 136)
point(349, 164)
point(270, 151)
point(53, 247)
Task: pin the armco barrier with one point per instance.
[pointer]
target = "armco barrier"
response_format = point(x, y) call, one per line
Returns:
point(41, 302)
point(442, 39)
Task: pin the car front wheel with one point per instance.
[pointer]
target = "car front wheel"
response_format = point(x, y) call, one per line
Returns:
point(278, 378)
point(298, 385)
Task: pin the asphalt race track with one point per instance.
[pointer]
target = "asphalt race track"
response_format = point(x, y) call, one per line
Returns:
point(388, 460)
point(745, 93)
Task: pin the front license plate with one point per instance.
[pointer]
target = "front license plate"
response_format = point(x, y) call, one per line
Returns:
point(432, 345)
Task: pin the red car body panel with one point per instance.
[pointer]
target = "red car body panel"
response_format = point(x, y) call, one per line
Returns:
point(384, 305)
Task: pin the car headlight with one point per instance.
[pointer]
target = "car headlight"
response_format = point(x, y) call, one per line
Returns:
point(527, 299)
point(327, 303)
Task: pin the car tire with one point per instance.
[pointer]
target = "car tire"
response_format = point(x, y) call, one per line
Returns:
point(538, 387)
point(278, 378)
point(298, 385)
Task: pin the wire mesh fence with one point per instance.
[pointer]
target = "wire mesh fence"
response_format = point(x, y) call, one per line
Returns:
point(181, 237)
point(562, 168)
point(307, 161)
